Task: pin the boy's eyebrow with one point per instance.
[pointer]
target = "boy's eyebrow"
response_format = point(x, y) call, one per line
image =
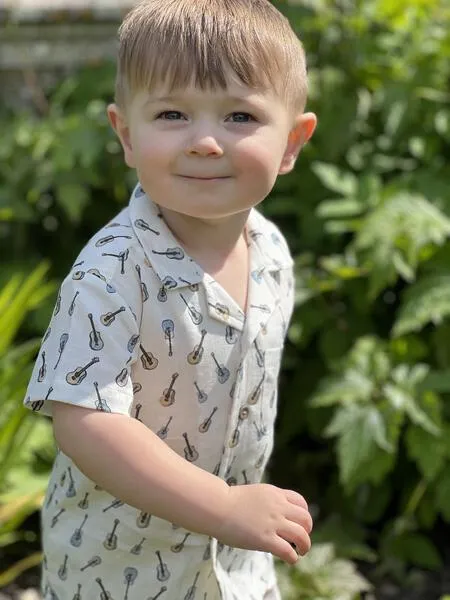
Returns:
point(176, 97)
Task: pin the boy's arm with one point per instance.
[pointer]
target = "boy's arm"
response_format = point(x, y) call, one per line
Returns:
point(129, 461)
point(132, 463)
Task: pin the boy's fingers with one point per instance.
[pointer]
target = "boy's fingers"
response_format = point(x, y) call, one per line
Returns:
point(296, 536)
point(284, 551)
point(296, 498)
point(300, 516)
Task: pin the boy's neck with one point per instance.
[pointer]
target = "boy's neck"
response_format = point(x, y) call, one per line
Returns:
point(213, 240)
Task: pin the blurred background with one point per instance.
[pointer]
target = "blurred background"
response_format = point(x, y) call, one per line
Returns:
point(364, 418)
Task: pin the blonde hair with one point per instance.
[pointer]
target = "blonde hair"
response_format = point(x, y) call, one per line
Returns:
point(178, 42)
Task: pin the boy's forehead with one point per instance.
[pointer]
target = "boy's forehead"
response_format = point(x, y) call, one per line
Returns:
point(234, 91)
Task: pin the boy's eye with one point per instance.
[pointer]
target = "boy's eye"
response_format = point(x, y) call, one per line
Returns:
point(170, 115)
point(241, 117)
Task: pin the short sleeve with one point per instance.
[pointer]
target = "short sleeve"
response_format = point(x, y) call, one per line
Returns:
point(87, 352)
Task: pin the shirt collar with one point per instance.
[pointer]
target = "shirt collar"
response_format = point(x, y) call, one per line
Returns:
point(271, 253)
point(175, 268)
point(170, 262)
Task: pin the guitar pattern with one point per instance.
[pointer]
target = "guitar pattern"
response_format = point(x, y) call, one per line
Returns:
point(139, 329)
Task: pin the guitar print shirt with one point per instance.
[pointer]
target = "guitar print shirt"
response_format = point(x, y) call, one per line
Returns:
point(139, 329)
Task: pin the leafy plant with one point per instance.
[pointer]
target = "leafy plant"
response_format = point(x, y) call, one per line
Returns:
point(320, 575)
point(25, 442)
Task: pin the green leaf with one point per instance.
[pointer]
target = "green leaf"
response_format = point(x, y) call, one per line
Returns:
point(408, 349)
point(20, 295)
point(336, 180)
point(340, 209)
point(360, 430)
point(353, 386)
point(348, 537)
point(369, 355)
point(393, 235)
point(426, 450)
point(427, 301)
point(418, 550)
point(403, 401)
point(342, 266)
point(321, 576)
point(443, 494)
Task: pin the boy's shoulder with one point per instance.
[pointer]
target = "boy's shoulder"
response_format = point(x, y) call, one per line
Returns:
point(112, 246)
point(122, 247)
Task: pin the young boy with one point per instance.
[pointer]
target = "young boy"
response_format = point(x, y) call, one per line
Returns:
point(160, 363)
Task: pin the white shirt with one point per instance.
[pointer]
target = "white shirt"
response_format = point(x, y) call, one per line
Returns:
point(139, 329)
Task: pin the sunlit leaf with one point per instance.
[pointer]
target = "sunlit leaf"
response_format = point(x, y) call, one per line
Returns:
point(427, 301)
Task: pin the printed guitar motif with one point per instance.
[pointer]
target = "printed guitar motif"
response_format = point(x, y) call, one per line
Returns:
point(62, 344)
point(172, 253)
point(108, 318)
point(137, 548)
point(77, 536)
point(77, 595)
point(162, 570)
point(144, 290)
point(202, 396)
point(149, 362)
point(104, 594)
point(141, 224)
point(62, 571)
point(204, 427)
point(222, 372)
point(168, 326)
point(100, 404)
point(168, 396)
point(43, 369)
point(122, 257)
point(110, 542)
point(196, 355)
point(71, 491)
point(180, 546)
point(110, 238)
point(79, 374)
point(130, 575)
point(109, 288)
point(193, 312)
point(162, 433)
point(190, 452)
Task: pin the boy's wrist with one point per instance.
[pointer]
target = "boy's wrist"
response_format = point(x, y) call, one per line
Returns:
point(216, 507)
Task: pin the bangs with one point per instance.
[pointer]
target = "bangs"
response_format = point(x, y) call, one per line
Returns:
point(183, 42)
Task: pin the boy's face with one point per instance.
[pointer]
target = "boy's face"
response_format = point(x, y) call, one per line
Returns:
point(209, 154)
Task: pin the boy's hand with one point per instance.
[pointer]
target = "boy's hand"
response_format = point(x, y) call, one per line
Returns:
point(267, 518)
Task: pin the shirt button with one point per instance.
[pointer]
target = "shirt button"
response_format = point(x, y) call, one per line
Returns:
point(243, 413)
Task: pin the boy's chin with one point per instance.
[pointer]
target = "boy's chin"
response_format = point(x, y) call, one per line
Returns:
point(205, 212)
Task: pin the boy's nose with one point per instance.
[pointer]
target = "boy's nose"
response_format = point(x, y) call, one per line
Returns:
point(204, 144)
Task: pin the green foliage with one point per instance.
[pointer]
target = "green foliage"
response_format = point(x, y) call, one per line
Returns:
point(320, 575)
point(25, 442)
point(368, 217)
point(364, 418)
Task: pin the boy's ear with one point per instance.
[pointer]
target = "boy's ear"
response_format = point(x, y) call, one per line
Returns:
point(119, 124)
point(301, 132)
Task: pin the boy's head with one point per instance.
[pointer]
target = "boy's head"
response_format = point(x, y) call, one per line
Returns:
point(177, 42)
point(210, 102)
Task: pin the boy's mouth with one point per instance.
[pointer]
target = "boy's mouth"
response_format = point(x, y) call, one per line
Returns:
point(200, 178)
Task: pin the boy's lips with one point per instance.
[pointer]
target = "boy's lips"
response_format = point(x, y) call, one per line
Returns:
point(200, 178)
